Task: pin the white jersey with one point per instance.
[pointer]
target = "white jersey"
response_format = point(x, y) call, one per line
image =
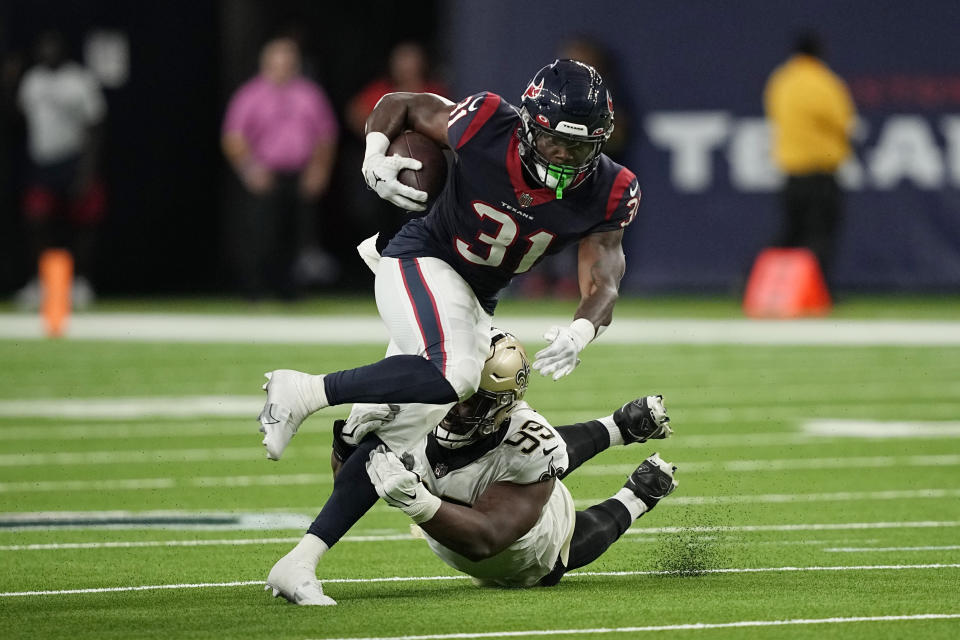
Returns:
point(59, 104)
point(528, 450)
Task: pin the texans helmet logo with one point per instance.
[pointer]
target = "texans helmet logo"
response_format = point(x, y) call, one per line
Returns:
point(533, 90)
point(609, 102)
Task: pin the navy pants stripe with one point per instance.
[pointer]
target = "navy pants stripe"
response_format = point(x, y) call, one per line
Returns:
point(425, 309)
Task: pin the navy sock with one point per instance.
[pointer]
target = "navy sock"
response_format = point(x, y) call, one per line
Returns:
point(403, 378)
point(584, 440)
point(352, 496)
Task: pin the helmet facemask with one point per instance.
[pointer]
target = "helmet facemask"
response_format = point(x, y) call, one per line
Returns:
point(583, 149)
point(503, 382)
point(566, 116)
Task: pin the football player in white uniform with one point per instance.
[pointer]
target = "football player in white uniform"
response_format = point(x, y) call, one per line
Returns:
point(484, 486)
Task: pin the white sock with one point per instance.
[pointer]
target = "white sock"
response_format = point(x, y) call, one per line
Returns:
point(629, 499)
point(314, 393)
point(310, 549)
point(616, 438)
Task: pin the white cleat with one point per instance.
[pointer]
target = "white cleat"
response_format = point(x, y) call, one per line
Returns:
point(296, 582)
point(284, 410)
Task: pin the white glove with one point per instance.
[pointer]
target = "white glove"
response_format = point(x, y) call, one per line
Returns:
point(381, 171)
point(365, 418)
point(400, 487)
point(560, 356)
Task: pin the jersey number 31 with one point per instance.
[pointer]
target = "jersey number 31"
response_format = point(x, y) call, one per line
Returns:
point(496, 246)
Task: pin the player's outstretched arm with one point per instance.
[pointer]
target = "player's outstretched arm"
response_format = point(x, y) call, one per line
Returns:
point(425, 113)
point(600, 267)
point(502, 514)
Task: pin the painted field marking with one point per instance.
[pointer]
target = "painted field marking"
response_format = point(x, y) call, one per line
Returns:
point(137, 484)
point(160, 456)
point(368, 329)
point(132, 407)
point(156, 456)
point(153, 519)
point(228, 542)
point(693, 626)
point(852, 462)
point(877, 429)
point(576, 574)
point(947, 547)
point(830, 526)
point(838, 496)
point(239, 542)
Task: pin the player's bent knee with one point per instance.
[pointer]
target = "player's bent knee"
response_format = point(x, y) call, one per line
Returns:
point(465, 379)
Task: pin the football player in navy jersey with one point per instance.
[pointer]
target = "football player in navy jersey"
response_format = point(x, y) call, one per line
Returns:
point(485, 489)
point(526, 182)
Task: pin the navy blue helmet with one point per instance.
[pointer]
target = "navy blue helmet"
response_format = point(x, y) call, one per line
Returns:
point(566, 104)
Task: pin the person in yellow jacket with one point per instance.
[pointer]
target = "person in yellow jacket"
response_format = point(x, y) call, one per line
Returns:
point(812, 116)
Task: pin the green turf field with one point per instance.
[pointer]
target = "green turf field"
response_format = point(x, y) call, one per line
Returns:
point(773, 520)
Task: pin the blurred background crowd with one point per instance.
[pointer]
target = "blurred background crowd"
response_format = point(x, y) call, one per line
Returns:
point(214, 147)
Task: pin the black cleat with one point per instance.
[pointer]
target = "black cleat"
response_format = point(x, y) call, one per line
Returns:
point(652, 481)
point(643, 419)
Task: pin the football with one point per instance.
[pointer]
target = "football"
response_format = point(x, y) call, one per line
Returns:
point(433, 175)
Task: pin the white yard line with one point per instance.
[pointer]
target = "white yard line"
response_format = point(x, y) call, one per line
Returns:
point(155, 456)
point(778, 498)
point(827, 526)
point(876, 429)
point(397, 537)
point(853, 462)
point(276, 480)
point(191, 407)
point(147, 327)
point(692, 626)
point(574, 574)
point(947, 547)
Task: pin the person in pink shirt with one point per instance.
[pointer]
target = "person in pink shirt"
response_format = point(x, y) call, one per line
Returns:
point(280, 137)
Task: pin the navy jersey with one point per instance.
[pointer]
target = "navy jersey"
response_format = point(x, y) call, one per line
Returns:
point(488, 223)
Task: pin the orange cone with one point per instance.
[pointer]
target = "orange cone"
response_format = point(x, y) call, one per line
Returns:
point(56, 280)
point(786, 283)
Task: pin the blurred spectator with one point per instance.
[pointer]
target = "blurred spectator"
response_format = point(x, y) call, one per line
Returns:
point(64, 201)
point(280, 136)
point(408, 70)
point(812, 116)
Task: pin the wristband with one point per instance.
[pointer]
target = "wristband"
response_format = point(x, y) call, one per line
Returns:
point(424, 508)
point(583, 329)
point(377, 143)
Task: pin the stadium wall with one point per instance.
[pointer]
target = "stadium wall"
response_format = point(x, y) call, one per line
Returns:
point(693, 74)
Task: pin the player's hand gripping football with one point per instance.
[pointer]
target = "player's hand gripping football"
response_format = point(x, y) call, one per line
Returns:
point(380, 172)
point(559, 358)
point(399, 486)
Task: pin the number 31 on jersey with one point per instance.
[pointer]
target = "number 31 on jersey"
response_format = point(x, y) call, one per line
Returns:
point(493, 249)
